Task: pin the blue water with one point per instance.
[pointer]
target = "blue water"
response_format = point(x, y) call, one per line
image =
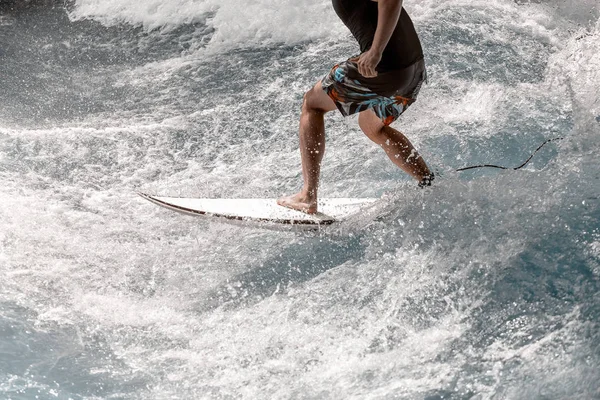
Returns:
point(485, 286)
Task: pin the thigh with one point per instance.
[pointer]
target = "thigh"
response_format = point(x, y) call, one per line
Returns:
point(317, 98)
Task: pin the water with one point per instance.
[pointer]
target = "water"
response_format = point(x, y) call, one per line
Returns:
point(483, 287)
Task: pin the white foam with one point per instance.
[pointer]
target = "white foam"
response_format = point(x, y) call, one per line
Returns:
point(151, 14)
point(256, 22)
point(578, 62)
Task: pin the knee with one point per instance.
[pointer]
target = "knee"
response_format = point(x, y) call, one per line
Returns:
point(373, 129)
point(309, 103)
point(307, 100)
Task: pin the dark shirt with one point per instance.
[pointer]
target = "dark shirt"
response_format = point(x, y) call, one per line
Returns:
point(360, 16)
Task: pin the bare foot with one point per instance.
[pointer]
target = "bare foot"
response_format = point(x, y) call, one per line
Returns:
point(299, 202)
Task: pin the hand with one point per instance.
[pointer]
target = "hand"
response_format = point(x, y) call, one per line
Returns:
point(367, 62)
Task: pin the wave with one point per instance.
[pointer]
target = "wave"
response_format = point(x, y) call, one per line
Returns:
point(257, 22)
point(480, 287)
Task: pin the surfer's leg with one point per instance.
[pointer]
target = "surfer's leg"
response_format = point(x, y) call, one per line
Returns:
point(312, 147)
point(397, 147)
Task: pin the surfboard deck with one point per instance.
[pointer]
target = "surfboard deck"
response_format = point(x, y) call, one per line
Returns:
point(264, 211)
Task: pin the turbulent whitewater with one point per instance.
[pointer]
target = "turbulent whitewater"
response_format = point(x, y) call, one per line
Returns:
point(485, 286)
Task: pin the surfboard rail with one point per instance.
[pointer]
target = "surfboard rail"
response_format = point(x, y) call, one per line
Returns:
point(262, 211)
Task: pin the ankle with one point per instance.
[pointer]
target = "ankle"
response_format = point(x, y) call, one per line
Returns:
point(309, 195)
point(427, 180)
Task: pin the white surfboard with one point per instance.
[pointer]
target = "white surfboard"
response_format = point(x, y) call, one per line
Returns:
point(264, 211)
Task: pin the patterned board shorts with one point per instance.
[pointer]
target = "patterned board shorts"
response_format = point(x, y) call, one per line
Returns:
point(353, 93)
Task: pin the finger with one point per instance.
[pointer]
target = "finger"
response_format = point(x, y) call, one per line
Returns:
point(374, 70)
point(361, 68)
point(365, 68)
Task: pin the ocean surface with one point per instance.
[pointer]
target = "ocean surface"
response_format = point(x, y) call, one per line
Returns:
point(485, 286)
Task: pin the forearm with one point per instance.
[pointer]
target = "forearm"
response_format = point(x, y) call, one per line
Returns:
point(388, 15)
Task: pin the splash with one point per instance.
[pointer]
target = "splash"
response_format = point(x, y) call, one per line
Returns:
point(257, 22)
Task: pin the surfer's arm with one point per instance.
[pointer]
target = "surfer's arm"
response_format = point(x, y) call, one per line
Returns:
point(388, 15)
point(387, 19)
